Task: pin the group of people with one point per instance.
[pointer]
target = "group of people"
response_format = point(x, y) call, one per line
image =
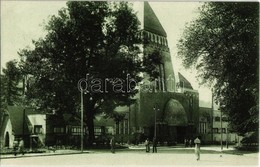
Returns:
point(187, 143)
point(147, 145)
point(19, 147)
point(197, 143)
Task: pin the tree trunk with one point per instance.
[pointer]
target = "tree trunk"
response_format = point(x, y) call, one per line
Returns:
point(89, 110)
point(90, 124)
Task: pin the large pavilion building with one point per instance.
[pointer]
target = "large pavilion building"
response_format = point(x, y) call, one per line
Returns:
point(164, 108)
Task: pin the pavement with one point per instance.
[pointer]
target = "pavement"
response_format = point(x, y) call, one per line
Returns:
point(140, 148)
point(47, 153)
point(129, 158)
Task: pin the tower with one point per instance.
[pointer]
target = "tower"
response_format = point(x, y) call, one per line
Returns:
point(155, 40)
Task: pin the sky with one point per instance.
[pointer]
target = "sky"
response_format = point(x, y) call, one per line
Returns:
point(22, 21)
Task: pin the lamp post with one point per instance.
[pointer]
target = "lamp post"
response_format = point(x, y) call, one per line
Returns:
point(212, 115)
point(221, 131)
point(227, 137)
point(82, 136)
point(155, 120)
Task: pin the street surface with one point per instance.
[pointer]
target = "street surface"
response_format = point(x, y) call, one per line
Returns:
point(134, 158)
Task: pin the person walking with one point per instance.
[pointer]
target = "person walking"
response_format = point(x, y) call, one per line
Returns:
point(112, 144)
point(147, 145)
point(21, 146)
point(154, 145)
point(190, 143)
point(197, 148)
point(185, 142)
point(15, 147)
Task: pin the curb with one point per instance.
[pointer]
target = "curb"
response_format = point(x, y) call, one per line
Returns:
point(41, 155)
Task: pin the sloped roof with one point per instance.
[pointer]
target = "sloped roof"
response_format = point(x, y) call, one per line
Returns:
point(17, 118)
point(122, 109)
point(184, 82)
point(151, 22)
point(102, 121)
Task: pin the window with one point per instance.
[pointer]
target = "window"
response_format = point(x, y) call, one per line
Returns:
point(126, 126)
point(37, 129)
point(215, 130)
point(217, 119)
point(76, 130)
point(97, 131)
point(225, 119)
point(223, 130)
point(202, 127)
point(58, 130)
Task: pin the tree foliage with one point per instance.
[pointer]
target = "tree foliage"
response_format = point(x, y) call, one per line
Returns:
point(222, 43)
point(11, 91)
point(96, 38)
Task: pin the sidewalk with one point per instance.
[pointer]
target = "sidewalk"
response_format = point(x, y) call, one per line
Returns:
point(48, 153)
point(133, 148)
point(204, 149)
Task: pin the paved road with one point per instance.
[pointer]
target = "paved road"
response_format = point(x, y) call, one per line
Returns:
point(134, 159)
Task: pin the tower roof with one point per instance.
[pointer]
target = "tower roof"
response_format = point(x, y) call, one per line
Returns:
point(184, 82)
point(151, 22)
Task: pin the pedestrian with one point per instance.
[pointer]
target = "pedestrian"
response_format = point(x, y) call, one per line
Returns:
point(147, 145)
point(112, 144)
point(185, 142)
point(15, 147)
point(190, 143)
point(21, 146)
point(154, 145)
point(197, 148)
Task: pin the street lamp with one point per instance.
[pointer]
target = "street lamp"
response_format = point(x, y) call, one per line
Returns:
point(221, 131)
point(155, 120)
point(81, 102)
point(82, 127)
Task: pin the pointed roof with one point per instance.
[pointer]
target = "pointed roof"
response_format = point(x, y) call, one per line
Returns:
point(184, 82)
point(18, 117)
point(151, 22)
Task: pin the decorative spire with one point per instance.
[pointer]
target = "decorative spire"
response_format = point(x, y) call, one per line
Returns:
point(151, 22)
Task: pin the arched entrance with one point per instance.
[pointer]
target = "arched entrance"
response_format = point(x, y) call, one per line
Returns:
point(176, 120)
point(7, 140)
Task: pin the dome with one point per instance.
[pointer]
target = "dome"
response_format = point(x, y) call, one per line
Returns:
point(174, 114)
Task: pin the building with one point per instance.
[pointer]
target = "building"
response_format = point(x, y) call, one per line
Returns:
point(212, 127)
point(6, 132)
point(164, 108)
point(25, 123)
point(64, 130)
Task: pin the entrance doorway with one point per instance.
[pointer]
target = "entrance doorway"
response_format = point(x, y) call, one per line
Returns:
point(181, 134)
point(7, 140)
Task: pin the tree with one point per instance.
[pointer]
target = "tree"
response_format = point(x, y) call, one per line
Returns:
point(93, 40)
point(3, 99)
point(10, 90)
point(222, 43)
